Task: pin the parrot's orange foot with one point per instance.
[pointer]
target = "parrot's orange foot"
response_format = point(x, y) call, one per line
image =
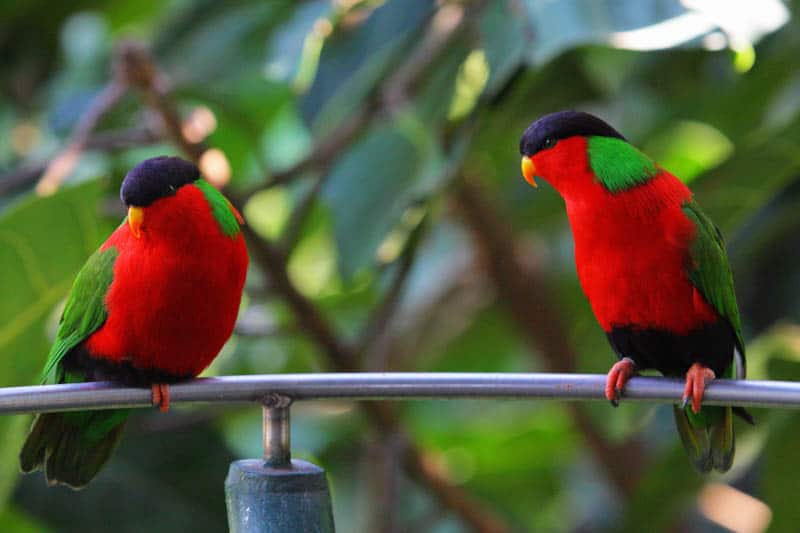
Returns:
point(161, 396)
point(696, 378)
point(618, 376)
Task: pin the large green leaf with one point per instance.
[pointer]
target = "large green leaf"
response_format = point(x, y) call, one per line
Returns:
point(758, 170)
point(289, 43)
point(637, 24)
point(504, 41)
point(778, 481)
point(353, 59)
point(215, 41)
point(367, 191)
point(43, 243)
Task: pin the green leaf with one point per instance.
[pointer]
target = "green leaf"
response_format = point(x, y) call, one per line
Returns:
point(352, 61)
point(661, 498)
point(286, 47)
point(43, 243)
point(759, 168)
point(778, 485)
point(368, 190)
point(575, 22)
point(504, 42)
point(438, 89)
point(470, 440)
point(633, 24)
point(286, 141)
point(217, 41)
point(688, 148)
point(17, 521)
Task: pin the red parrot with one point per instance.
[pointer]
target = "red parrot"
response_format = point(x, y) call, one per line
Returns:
point(153, 305)
point(653, 266)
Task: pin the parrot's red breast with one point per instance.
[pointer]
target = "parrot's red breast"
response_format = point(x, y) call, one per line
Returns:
point(631, 247)
point(175, 293)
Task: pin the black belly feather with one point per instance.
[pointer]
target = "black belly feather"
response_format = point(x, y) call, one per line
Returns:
point(79, 360)
point(672, 354)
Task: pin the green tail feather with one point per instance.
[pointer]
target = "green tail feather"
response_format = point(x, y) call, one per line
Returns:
point(707, 437)
point(722, 443)
point(71, 448)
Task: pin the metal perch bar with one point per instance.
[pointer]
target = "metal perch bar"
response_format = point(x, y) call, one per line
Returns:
point(391, 386)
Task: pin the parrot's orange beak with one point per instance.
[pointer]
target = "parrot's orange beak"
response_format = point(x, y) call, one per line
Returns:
point(135, 219)
point(529, 170)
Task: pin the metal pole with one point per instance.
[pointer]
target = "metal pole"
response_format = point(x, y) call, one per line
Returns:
point(397, 386)
point(277, 447)
point(277, 494)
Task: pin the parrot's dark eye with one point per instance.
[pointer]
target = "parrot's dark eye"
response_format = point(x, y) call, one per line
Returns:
point(549, 142)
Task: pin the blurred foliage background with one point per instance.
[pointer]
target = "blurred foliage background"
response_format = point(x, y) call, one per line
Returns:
point(372, 146)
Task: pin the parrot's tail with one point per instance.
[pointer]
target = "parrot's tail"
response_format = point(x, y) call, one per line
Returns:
point(71, 448)
point(707, 436)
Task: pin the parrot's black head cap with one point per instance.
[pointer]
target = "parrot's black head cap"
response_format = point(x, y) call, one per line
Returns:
point(548, 130)
point(156, 178)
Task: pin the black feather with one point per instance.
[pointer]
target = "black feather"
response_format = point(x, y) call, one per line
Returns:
point(671, 354)
point(156, 178)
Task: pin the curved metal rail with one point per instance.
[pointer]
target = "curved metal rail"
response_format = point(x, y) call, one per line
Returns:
point(391, 386)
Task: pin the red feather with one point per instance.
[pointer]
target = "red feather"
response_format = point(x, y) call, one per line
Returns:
point(631, 247)
point(176, 290)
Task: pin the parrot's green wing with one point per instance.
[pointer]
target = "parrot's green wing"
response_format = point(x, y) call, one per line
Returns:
point(710, 271)
point(85, 311)
point(707, 436)
point(72, 447)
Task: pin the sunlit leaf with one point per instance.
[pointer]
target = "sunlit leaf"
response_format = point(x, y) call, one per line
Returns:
point(286, 47)
point(267, 212)
point(472, 78)
point(687, 149)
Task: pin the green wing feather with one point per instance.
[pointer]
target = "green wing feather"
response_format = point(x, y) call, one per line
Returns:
point(84, 312)
point(71, 448)
point(707, 436)
point(710, 271)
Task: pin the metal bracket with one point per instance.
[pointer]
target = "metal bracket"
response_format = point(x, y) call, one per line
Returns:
point(277, 430)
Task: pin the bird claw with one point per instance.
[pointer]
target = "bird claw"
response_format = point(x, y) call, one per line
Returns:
point(617, 395)
point(160, 396)
point(696, 378)
point(618, 376)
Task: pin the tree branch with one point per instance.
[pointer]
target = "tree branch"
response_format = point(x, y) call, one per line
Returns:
point(382, 479)
point(62, 165)
point(106, 141)
point(134, 64)
point(392, 95)
point(379, 319)
point(294, 226)
point(273, 262)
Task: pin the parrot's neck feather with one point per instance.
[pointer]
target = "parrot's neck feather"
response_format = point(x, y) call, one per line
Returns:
point(618, 165)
